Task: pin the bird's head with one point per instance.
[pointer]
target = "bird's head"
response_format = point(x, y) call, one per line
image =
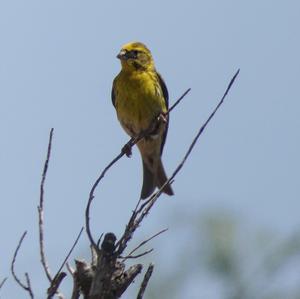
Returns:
point(136, 56)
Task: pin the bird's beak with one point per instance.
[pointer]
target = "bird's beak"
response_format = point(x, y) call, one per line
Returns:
point(122, 55)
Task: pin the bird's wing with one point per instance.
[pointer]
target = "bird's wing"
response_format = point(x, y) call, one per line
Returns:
point(166, 99)
point(164, 89)
point(113, 96)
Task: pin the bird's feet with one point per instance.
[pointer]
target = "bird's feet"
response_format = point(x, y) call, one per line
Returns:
point(162, 118)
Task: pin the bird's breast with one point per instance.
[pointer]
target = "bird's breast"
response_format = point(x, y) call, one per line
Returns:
point(139, 100)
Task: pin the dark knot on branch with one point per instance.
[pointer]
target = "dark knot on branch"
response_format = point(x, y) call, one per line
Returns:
point(108, 244)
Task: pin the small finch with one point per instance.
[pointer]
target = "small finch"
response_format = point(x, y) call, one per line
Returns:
point(140, 97)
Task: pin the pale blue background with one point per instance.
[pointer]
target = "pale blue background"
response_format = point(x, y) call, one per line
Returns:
point(57, 62)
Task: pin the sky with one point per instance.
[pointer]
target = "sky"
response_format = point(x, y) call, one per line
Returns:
point(57, 63)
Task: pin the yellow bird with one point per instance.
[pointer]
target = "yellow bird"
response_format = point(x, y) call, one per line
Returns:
point(140, 97)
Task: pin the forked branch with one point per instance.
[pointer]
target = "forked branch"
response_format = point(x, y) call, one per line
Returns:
point(128, 145)
point(27, 286)
point(142, 209)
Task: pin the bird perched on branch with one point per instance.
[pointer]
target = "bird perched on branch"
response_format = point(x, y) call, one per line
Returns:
point(140, 97)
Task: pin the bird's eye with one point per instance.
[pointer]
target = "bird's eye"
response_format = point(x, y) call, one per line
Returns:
point(135, 53)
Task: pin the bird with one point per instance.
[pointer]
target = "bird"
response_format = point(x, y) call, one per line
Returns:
point(140, 97)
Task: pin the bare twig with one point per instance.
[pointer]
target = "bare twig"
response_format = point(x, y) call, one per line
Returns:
point(12, 268)
point(70, 269)
point(130, 256)
point(145, 282)
point(142, 244)
point(129, 144)
point(3, 282)
point(70, 251)
point(53, 289)
point(91, 197)
point(59, 276)
point(179, 100)
point(41, 211)
point(202, 129)
point(178, 168)
point(76, 287)
point(57, 279)
point(140, 212)
point(27, 287)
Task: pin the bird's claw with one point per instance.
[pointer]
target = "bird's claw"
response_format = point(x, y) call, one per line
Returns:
point(162, 117)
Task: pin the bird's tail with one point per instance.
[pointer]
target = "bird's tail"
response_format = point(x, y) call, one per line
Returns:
point(161, 178)
point(148, 181)
point(152, 180)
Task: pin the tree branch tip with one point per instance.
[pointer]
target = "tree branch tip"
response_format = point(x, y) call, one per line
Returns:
point(237, 72)
point(70, 268)
point(3, 282)
point(145, 281)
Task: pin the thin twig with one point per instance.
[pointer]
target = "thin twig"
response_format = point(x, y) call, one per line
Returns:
point(41, 211)
point(70, 251)
point(179, 100)
point(202, 129)
point(145, 282)
point(59, 276)
point(27, 287)
point(138, 255)
point(75, 291)
point(76, 287)
point(12, 267)
point(53, 289)
point(70, 269)
point(143, 243)
point(144, 209)
point(3, 282)
point(178, 168)
point(129, 144)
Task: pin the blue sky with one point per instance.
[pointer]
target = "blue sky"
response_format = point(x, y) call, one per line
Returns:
point(57, 62)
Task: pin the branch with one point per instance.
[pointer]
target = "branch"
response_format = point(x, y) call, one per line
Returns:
point(126, 279)
point(128, 145)
point(76, 288)
point(55, 283)
point(70, 251)
point(59, 276)
point(12, 268)
point(104, 278)
point(178, 101)
point(142, 244)
point(202, 129)
point(142, 210)
point(41, 211)
point(27, 286)
point(3, 282)
point(145, 282)
point(130, 256)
